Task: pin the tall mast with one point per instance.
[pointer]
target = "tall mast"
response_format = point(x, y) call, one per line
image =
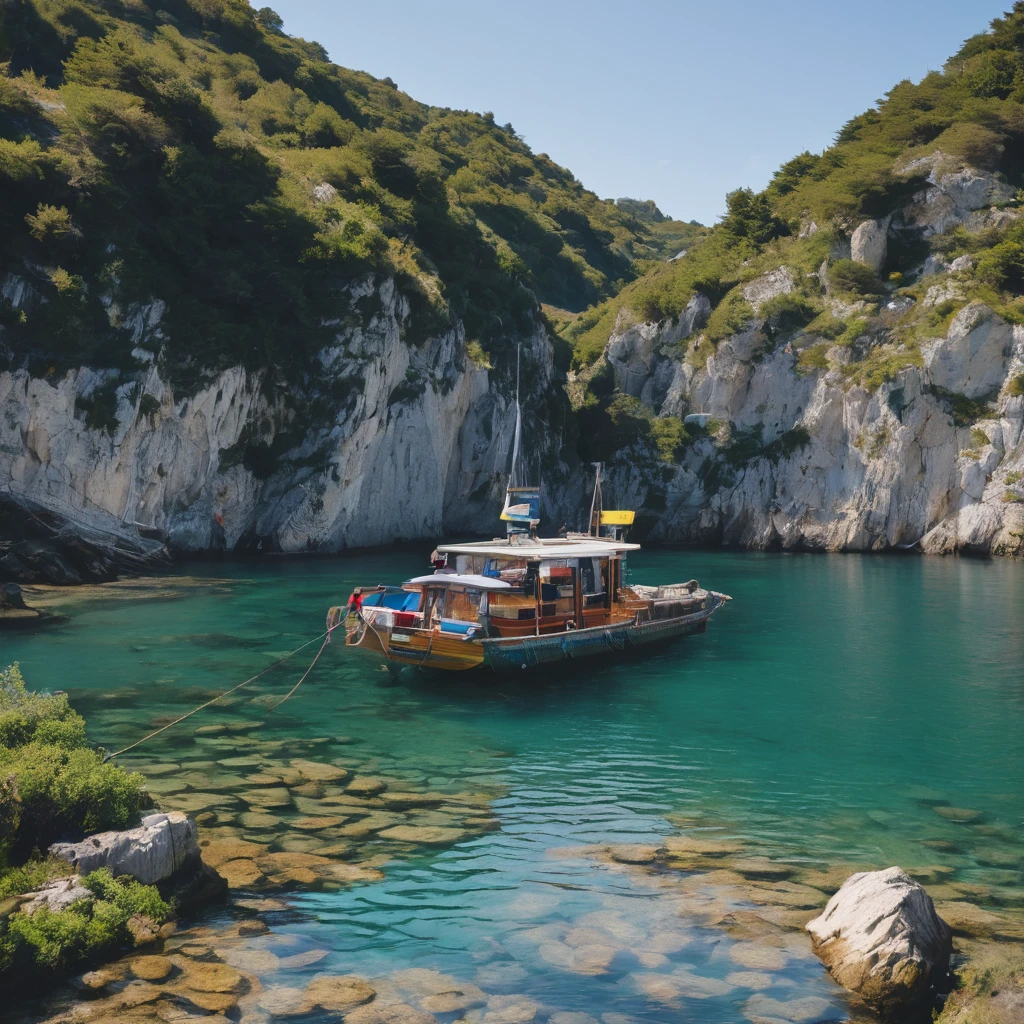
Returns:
point(516, 475)
point(521, 513)
point(596, 503)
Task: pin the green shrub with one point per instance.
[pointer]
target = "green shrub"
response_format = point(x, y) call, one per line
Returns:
point(963, 410)
point(1016, 386)
point(882, 364)
point(786, 313)
point(750, 215)
point(731, 316)
point(827, 325)
point(743, 446)
point(128, 895)
point(477, 356)
point(324, 127)
point(26, 716)
point(49, 943)
point(878, 442)
point(31, 875)
point(850, 276)
point(60, 940)
point(787, 443)
point(671, 437)
point(973, 143)
point(22, 162)
point(55, 785)
point(815, 357)
point(49, 223)
point(1002, 266)
point(100, 407)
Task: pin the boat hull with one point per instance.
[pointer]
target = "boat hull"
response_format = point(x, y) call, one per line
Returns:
point(518, 654)
point(431, 649)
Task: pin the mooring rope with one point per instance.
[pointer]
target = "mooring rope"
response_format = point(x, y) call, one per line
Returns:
point(326, 637)
point(327, 640)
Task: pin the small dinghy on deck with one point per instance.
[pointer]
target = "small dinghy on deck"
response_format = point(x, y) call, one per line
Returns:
point(523, 600)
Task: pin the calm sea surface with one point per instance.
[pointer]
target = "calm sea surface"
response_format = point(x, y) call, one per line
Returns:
point(827, 713)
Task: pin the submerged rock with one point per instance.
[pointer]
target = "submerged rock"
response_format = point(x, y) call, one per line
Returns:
point(337, 993)
point(880, 937)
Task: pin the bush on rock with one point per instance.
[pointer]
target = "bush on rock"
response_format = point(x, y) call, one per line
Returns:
point(52, 783)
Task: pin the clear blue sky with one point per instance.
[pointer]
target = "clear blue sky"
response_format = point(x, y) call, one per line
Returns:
point(673, 101)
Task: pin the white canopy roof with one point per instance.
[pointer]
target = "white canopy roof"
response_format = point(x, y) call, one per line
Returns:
point(554, 547)
point(451, 579)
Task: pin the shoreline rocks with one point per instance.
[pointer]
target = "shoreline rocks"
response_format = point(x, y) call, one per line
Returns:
point(40, 543)
point(163, 851)
point(15, 614)
point(151, 853)
point(880, 937)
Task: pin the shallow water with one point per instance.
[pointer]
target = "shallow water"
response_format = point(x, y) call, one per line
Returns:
point(832, 714)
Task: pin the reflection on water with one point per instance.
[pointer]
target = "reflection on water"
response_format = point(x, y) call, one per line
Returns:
point(841, 711)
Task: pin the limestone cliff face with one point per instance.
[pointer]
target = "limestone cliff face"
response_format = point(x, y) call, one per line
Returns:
point(395, 440)
point(830, 464)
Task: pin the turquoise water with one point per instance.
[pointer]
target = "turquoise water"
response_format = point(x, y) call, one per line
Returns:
point(831, 714)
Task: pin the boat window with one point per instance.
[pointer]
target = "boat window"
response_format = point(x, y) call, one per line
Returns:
point(471, 565)
point(593, 577)
point(462, 604)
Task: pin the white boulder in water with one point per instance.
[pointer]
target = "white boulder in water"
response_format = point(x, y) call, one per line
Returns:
point(161, 846)
point(880, 937)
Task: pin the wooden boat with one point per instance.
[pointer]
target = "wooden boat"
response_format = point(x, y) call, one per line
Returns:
point(522, 600)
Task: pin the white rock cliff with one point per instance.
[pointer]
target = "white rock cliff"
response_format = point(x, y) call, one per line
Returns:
point(415, 443)
point(833, 465)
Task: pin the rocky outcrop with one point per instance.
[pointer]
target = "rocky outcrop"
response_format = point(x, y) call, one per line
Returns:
point(39, 545)
point(56, 895)
point(768, 286)
point(15, 614)
point(953, 195)
point(151, 853)
point(971, 359)
point(880, 937)
point(388, 439)
point(814, 454)
point(869, 243)
point(162, 851)
point(832, 465)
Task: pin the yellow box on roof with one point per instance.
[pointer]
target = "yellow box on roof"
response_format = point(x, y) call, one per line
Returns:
point(617, 518)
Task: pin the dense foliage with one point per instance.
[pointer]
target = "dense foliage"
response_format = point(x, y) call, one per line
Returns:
point(53, 942)
point(52, 783)
point(969, 114)
point(190, 151)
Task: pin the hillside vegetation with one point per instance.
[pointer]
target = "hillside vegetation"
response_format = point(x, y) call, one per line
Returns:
point(189, 151)
point(970, 114)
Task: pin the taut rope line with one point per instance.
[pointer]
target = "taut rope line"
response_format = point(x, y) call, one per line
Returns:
point(327, 640)
point(326, 637)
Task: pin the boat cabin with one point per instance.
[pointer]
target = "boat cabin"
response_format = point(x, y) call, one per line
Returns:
point(502, 589)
